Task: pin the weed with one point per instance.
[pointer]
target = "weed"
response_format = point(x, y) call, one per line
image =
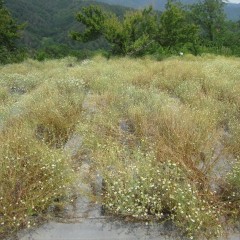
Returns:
point(152, 129)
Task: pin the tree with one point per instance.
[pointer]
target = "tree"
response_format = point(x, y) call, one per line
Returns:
point(140, 30)
point(175, 30)
point(209, 15)
point(132, 35)
point(9, 32)
point(93, 17)
point(231, 38)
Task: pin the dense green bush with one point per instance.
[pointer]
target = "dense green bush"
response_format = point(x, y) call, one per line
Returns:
point(9, 33)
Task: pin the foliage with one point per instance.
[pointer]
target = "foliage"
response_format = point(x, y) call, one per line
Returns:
point(201, 28)
point(93, 17)
point(55, 51)
point(175, 29)
point(9, 32)
point(140, 31)
point(8, 29)
point(209, 15)
point(230, 9)
point(231, 37)
point(134, 33)
point(54, 20)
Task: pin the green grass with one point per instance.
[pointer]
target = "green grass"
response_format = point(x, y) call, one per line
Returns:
point(156, 131)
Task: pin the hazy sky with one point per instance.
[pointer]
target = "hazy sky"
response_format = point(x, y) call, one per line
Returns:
point(234, 1)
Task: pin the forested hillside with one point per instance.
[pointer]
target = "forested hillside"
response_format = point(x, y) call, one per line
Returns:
point(49, 22)
point(158, 4)
point(232, 10)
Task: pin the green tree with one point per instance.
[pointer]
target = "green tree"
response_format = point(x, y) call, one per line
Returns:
point(175, 29)
point(134, 34)
point(209, 15)
point(231, 38)
point(140, 31)
point(93, 17)
point(9, 32)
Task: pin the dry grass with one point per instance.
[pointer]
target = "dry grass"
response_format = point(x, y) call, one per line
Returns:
point(158, 129)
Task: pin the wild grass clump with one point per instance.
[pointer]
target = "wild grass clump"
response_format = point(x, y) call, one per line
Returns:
point(234, 141)
point(3, 95)
point(231, 193)
point(32, 176)
point(35, 170)
point(55, 110)
point(140, 187)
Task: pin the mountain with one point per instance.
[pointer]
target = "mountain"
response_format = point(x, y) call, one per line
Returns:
point(232, 10)
point(50, 21)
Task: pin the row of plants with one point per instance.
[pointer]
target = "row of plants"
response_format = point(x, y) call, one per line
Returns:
point(165, 139)
point(39, 109)
point(163, 135)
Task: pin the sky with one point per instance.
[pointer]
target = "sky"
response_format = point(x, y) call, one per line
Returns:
point(234, 1)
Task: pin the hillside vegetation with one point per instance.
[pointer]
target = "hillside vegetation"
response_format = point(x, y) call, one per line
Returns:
point(163, 135)
point(231, 9)
point(198, 28)
point(49, 22)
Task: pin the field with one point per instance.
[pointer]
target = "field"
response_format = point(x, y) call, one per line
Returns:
point(164, 135)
